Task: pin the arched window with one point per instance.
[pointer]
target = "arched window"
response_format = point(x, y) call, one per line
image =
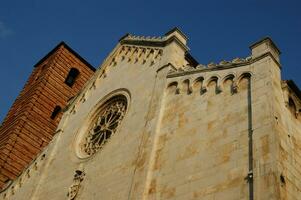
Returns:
point(105, 124)
point(72, 75)
point(55, 112)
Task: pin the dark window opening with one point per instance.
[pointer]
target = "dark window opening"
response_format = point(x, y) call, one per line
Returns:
point(55, 112)
point(72, 75)
point(292, 106)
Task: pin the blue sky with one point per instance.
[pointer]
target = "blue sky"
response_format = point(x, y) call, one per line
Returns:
point(217, 30)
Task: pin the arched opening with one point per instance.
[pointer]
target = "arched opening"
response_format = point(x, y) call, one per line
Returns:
point(71, 78)
point(172, 88)
point(228, 84)
point(198, 84)
point(212, 86)
point(55, 112)
point(243, 81)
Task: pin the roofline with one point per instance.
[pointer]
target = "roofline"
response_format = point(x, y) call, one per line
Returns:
point(191, 59)
point(255, 44)
point(176, 29)
point(62, 43)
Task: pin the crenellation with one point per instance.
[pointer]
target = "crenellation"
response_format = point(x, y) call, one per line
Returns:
point(152, 123)
point(145, 38)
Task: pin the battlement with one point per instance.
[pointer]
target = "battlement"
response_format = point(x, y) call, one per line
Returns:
point(174, 34)
point(153, 122)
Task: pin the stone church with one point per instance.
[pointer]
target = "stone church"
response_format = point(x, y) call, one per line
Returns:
point(152, 123)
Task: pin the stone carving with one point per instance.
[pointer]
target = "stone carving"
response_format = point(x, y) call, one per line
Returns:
point(74, 188)
point(200, 66)
point(238, 60)
point(105, 126)
point(136, 54)
point(188, 68)
point(224, 62)
point(211, 65)
point(143, 38)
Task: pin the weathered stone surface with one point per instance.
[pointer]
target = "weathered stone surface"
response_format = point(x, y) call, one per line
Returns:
point(184, 134)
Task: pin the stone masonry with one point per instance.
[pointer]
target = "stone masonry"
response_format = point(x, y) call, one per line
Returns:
point(162, 126)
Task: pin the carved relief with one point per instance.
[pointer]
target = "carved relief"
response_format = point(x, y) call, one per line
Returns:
point(136, 54)
point(74, 188)
point(187, 69)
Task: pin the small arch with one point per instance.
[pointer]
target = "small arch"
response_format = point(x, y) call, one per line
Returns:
point(211, 80)
point(55, 112)
point(172, 88)
point(213, 84)
point(71, 77)
point(229, 76)
point(243, 80)
point(229, 84)
point(186, 86)
point(244, 75)
point(198, 85)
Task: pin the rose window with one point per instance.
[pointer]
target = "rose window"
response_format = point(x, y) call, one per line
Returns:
point(105, 125)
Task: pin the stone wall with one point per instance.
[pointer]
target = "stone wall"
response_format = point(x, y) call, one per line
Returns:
point(185, 134)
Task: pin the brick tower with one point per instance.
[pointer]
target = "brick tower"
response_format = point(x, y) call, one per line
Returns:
point(35, 114)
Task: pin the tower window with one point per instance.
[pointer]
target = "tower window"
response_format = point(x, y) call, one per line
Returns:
point(55, 112)
point(72, 75)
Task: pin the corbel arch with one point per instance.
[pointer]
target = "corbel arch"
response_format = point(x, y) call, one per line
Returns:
point(213, 81)
point(243, 80)
point(173, 88)
point(229, 83)
point(198, 85)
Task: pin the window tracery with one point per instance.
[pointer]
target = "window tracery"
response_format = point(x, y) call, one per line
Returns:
point(105, 125)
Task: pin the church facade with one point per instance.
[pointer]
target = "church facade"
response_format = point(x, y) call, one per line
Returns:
point(153, 123)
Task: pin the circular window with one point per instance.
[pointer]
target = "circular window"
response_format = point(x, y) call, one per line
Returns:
point(104, 125)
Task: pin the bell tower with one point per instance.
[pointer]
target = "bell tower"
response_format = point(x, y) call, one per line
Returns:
point(32, 119)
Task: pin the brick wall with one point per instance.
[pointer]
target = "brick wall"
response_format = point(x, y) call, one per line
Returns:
point(28, 126)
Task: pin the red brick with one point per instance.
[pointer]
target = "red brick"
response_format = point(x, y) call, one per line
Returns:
point(28, 127)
